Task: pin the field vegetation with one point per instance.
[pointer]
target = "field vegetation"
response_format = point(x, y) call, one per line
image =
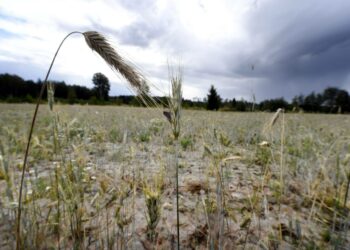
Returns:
point(104, 177)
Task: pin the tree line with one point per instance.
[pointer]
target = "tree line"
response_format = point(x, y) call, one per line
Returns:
point(15, 89)
point(331, 100)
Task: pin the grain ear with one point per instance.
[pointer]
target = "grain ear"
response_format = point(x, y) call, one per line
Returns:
point(99, 43)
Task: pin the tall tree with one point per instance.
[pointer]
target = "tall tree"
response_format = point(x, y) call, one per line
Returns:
point(336, 99)
point(214, 100)
point(312, 102)
point(329, 96)
point(102, 86)
point(342, 100)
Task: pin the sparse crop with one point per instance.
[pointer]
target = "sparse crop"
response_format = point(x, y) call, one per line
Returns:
point(111, 177)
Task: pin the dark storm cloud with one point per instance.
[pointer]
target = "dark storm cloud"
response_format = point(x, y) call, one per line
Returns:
point(293, 47)
point(297, 47)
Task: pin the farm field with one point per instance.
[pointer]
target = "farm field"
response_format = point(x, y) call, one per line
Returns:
point(103, 177)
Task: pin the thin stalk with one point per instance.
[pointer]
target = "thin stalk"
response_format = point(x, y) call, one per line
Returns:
point(58, 209)
point(56, 149)
point(282, 149)
point(18, 228)
point(175, 100)
point(281, 177)
point(108, 243)
point(336, 198)
point(207, 218)
point(221, 210)
point(177, 195)
point(347, 190)
point(133, 208)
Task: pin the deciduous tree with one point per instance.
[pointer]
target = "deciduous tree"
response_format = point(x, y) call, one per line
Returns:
point(102, 86)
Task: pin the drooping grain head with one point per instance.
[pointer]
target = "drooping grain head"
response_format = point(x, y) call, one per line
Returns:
point(268, 127)
point(275, 117)
point(99, 43)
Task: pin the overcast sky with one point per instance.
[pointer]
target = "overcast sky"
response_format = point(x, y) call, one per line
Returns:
point(270, 48)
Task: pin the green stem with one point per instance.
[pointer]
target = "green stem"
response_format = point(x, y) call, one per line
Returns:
point(18, 228)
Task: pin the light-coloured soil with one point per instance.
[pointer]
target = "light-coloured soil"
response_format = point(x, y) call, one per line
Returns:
point(239, 186)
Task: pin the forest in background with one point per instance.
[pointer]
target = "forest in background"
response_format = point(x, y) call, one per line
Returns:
point(14, 89)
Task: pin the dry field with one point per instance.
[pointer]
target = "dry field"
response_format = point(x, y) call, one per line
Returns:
point(104, 178)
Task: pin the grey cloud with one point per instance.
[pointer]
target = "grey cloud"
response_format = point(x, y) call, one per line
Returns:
point(24, 70)
point(136, 5)
point(295, 47)
point(140, 33)
point(151, 23)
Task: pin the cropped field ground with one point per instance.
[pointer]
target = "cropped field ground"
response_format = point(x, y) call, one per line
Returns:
point(104, 178)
